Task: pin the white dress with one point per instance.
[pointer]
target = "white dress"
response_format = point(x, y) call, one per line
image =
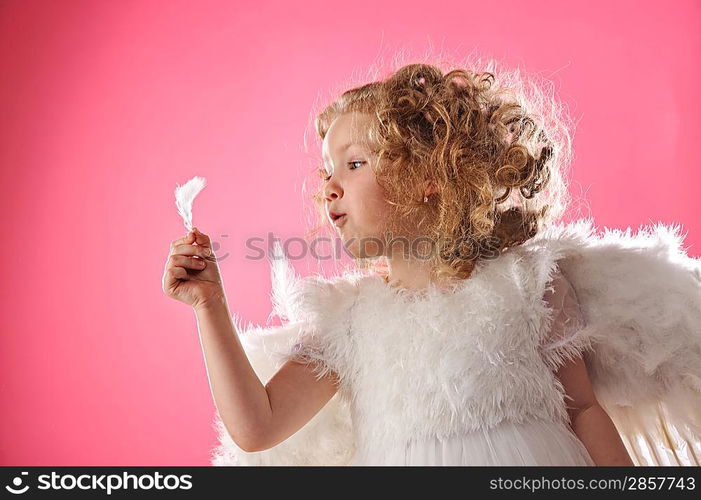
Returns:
point(507, 443)
point(467, 376)
point(534, 442)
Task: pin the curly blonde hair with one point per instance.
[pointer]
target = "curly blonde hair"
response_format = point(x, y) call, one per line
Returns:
point(495, 149)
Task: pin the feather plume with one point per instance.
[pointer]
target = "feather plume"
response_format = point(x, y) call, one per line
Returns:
point(185, 195)
point(284, 280)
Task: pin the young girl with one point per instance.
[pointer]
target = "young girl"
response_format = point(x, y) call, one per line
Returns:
point(476, 331)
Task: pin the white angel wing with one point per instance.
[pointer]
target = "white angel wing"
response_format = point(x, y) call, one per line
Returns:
point(327, 439)
point(641, 299)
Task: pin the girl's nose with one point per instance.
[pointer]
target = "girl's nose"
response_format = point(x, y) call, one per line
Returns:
point(332, 190)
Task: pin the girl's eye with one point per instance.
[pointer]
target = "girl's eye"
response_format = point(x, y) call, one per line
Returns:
point(325, 177)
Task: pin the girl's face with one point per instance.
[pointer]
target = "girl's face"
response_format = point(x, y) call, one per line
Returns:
point(351, 187)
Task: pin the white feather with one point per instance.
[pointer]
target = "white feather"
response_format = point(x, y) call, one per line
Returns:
point(184, 196)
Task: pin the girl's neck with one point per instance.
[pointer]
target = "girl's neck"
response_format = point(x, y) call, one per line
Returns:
point(408, 274)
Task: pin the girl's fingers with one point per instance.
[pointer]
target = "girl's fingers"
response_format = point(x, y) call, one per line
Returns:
point(195, 243)
point(179, 273)
point(198, 250)
point(187, 262)
point(201, 238)
point(188, 238)
point(194, 236)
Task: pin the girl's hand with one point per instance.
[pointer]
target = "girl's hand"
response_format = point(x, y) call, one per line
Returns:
point(192, 272)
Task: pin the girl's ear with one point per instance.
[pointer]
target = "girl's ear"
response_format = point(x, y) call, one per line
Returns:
point(430, 187)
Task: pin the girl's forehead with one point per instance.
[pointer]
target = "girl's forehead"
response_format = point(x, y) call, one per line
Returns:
point(343, 135)
point(340, 149)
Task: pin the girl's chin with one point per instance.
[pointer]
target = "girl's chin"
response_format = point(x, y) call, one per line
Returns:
point(370, 248)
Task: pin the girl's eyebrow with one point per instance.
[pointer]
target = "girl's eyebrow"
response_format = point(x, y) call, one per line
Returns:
point(343, 148)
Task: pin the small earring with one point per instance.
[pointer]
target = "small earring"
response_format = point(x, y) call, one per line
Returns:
point(425, 199)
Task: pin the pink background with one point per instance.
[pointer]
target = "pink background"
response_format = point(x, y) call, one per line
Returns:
point(105, 106)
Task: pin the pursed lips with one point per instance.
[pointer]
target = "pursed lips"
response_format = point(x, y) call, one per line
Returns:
point(339, 220)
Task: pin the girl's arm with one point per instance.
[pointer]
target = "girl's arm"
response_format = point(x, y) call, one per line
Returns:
point(588, 420)
point(256, 416)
